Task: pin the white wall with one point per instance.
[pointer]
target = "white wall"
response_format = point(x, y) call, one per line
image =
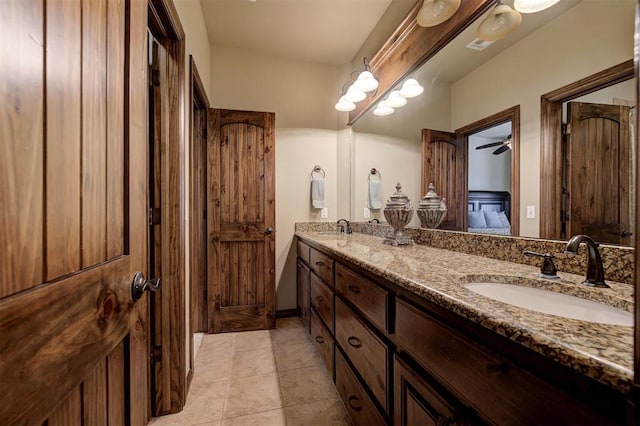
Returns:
point(523, 77)
point(488, 172)
point(197, 45)
point(302, 96)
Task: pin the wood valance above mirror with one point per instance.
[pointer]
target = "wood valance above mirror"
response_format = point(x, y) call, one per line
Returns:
point(410, 45)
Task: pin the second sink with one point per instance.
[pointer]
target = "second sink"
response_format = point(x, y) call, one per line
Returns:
point(550, 302)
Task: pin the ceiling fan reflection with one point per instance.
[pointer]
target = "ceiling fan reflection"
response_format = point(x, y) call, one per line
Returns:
point(504, 145)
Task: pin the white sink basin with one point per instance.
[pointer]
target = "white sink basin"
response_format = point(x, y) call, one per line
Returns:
point(550, 302)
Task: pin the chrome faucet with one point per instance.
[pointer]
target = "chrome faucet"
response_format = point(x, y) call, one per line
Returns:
point(595, 271)
point(344, 228)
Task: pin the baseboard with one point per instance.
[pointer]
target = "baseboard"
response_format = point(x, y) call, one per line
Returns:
point(286, 313)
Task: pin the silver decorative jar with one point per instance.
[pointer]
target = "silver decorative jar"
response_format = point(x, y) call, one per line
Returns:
point(431, 209)
point(398, 212)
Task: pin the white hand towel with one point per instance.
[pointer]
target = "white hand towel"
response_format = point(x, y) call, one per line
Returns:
point(375, 194)
point(317, 192)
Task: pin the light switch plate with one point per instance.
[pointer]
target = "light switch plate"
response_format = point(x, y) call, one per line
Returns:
point(367, 213)
point(531, 212)
point(324, 213)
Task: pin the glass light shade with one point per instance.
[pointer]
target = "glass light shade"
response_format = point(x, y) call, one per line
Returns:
point(354, 95)
point(533, 6)
point(501, 22)
point(395, 100)
point(383, 109)
point(435, 12)
point(366, 82)
point(345, 105)
point(411, 88)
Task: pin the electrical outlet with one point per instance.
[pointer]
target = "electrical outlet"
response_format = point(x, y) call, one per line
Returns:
point(367, 213)
point(531, 212)
point(324, 213)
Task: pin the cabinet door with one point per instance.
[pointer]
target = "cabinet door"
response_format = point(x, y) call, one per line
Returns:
point(303, 292)
point(322, 300)
point(418, 403)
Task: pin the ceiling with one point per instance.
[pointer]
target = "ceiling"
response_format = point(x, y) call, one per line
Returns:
point(321, 31)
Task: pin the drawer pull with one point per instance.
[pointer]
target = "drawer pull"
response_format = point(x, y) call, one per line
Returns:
point(319, 339)
point(354, 402)
point(354, 341)
point(319, 263)
point(353, 289)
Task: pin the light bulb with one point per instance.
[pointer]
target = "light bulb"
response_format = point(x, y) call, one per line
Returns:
point(354, 95)
point(395, 100)
point(366, 82)
point(345, 105)
point(383, 109)
point(533, 6)
point(411, 88)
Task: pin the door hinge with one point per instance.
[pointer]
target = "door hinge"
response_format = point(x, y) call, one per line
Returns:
point(156, 354)
point(566, 128)
point(154, 216)
point(154, 77)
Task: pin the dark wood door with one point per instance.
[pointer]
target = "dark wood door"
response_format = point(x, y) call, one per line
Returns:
point(598, 172)
point(241, 220)
point(73, 218)
point(444, 163)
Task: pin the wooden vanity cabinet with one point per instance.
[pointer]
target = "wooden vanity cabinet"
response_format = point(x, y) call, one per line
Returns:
point(401, 359)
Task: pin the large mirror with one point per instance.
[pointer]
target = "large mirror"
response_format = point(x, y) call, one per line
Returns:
point(492, 97)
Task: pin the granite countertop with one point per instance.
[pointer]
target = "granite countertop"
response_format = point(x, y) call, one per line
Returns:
point(601, 351)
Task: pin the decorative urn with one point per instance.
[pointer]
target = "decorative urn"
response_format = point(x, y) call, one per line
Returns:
point(431, 209)
point(398, 212)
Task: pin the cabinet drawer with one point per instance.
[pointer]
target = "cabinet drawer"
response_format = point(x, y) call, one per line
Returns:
point(323, 340)
point(497, 389)
point(303, 251)
point(322, 265)
point(368, 354)
point(370, 298)
point(360, 407)
point(322, 300)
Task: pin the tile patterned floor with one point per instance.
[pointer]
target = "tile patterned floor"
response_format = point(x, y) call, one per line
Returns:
point(271, 377)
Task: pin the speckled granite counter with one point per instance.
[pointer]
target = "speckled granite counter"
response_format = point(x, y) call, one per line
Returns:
point(603, 352)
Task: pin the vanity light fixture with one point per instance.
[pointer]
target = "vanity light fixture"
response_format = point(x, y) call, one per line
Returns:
point(411, 88)
point(532, 6)
point(502, 21)
point(358, 88)
point(395, 100)
point(434, 12)
point(383, 109)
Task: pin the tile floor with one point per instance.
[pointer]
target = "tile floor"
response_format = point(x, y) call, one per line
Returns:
point(271, 377)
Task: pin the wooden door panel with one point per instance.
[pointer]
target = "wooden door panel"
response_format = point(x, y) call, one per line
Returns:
point(65, 287)
point(241, 205)
point(444, 163)
point(598, 171)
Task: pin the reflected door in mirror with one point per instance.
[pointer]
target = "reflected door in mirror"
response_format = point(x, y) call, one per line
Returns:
point(597, 170)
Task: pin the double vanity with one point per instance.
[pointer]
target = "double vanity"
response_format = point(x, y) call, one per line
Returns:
point(424, 335)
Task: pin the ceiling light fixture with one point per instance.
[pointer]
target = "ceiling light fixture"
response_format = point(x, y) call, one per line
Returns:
point(383, 109)
point(533, 6)
point(502, 21)
point(411, 88)
point(434, 12)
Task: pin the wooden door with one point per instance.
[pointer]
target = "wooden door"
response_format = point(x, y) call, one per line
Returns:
point(73, 218)
point(241, 220)
point(444, 163)
point(598, 171)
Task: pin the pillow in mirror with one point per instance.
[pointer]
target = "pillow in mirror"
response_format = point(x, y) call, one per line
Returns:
point(504, 220)
point(491, 217)
point(477, 220)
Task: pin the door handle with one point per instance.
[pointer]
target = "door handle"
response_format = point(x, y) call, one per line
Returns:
point(140, 285)
point(268, 230)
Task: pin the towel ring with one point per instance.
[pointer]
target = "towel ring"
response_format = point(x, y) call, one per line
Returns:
point(374, 172)
point(317, 169)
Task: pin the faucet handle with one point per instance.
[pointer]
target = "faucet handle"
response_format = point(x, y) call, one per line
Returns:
point(548, 268)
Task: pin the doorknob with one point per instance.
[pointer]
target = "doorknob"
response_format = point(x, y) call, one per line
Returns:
point(268, 230)
point(140, 285)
